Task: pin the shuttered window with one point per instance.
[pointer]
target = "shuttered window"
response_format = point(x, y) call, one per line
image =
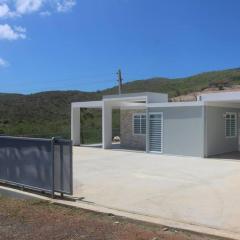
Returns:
point(231, 125)
point(139, 123)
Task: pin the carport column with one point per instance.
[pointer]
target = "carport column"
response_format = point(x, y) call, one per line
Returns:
point(75, 126)
point(106, 125)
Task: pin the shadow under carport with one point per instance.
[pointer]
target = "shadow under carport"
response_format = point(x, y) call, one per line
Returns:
point(231, 155)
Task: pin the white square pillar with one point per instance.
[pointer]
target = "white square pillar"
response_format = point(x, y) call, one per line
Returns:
point(75, 126)
point(106, 125)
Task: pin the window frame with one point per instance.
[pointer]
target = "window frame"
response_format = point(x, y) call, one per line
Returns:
point(133, 129)
point(236, 124)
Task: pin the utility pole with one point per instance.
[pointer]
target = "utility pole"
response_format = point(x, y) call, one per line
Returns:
point(119, 73)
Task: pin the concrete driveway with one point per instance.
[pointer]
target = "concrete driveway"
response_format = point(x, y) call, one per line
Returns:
point(203, 192)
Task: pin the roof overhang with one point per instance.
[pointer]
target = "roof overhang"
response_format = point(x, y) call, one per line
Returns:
point(116, 104)
point(140, 104)
point(149, 96)
point(220, 96)
point(134, 103)
point(227, 104)
point(91, 104)
point(175, 104)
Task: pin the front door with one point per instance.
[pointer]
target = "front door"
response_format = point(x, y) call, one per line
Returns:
point(156, 132)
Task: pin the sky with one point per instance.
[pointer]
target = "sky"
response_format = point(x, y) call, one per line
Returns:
point(80, 44)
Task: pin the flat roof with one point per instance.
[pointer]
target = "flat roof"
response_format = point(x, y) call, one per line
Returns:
point(151, 100)
point(175, 104)
point(133, 95)
point(99, 104)
point(90, 104)
point(220, 96)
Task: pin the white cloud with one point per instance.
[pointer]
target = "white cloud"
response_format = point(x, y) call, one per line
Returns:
point(65, 5)
point(45, 13)
point(5, 11)
point(9, 33)
point(14, 8)
point(3, 63)
point(28, 6)
point(20, 29)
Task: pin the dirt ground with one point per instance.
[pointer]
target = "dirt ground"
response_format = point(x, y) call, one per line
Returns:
point(38, 220)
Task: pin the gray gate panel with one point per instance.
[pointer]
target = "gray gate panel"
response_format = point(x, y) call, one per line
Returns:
point(63, 166)
point(27, 162)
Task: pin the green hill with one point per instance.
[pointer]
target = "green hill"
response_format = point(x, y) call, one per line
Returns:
point(181, 86)
point(48, 113)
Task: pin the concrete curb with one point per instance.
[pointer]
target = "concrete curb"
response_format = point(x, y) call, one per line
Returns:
point(9, 192)
point(150, 219)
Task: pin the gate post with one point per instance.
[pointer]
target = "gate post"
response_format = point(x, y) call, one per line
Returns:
point(53, 169)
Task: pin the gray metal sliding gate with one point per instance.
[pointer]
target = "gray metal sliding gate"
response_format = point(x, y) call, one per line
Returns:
point(38, 164)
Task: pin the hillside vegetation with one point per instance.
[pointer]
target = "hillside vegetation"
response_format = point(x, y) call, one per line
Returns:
point(47, 114)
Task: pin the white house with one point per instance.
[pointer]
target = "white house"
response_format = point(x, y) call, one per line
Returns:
point(206, 127)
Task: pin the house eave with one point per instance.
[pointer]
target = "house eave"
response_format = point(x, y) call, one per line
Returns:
point(175, 104)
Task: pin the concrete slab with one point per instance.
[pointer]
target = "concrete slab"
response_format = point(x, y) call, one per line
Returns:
point(193, 191)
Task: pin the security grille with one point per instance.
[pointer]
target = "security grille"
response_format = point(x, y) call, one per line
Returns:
point(156, 132)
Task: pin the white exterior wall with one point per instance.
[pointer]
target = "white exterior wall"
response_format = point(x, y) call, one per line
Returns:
point(183, 130)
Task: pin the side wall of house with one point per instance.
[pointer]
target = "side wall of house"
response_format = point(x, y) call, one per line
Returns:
point(128, 139)
point(183, 130)
point(216, 142)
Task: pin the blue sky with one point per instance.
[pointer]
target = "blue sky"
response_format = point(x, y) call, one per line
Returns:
point(80, 44)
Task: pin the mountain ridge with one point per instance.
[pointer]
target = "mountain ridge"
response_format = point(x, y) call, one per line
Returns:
point(48, 113)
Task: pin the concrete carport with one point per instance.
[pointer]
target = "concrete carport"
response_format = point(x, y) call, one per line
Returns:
point(216, 107)
point(184, 128)
point(75, 118)
point(110, 102)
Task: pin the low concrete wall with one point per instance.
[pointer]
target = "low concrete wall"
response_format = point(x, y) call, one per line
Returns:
point(128, 139)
